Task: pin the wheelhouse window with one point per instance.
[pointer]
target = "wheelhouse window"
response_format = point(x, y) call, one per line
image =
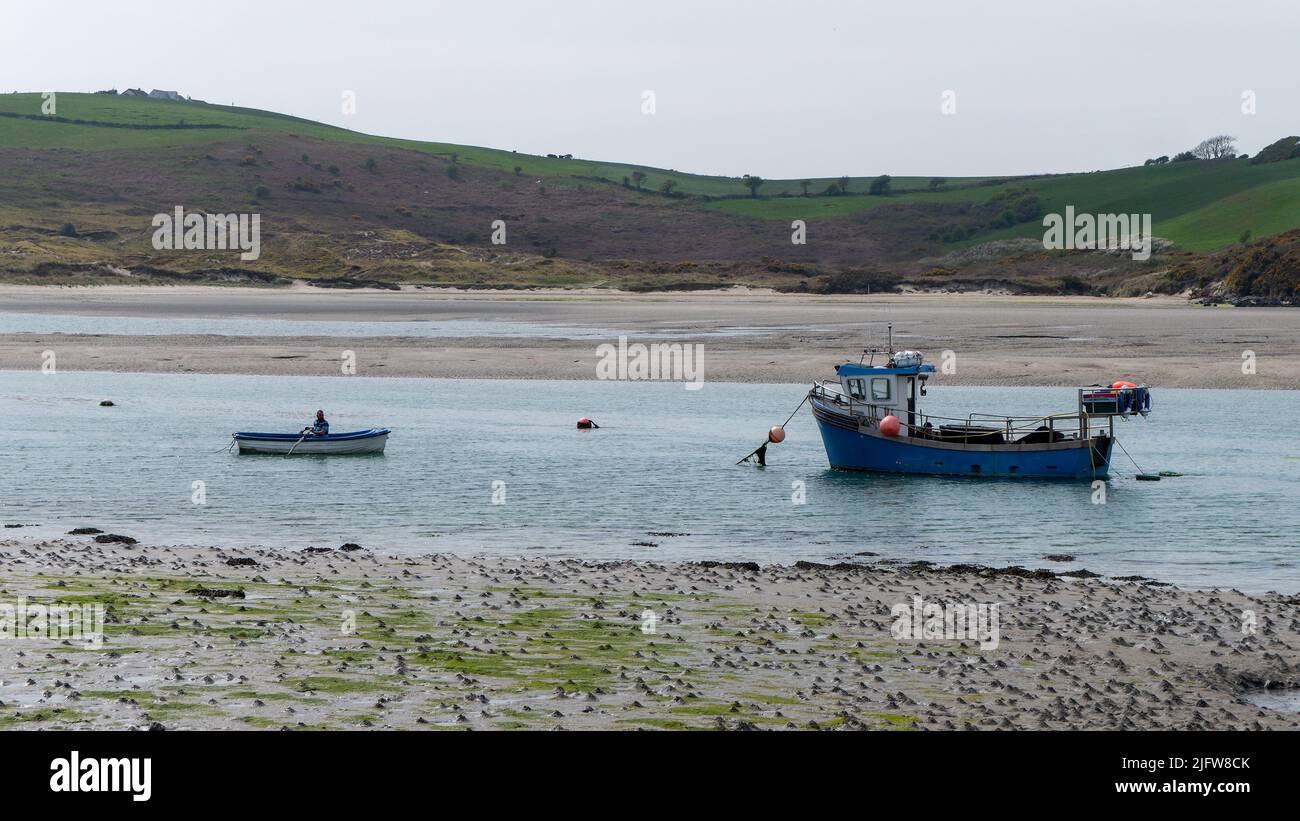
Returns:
point(880, 389)
point(857, 389)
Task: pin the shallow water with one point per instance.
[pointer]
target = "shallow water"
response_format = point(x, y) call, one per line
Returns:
point(663, 461)
point(16, 322)
point(1282, 700)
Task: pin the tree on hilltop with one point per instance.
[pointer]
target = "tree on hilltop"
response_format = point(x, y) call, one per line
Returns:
point(1216, 147)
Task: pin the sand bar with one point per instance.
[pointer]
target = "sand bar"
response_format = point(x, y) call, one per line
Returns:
point(748, 337)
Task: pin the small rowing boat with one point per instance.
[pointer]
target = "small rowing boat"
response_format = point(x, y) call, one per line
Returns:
point(360, 441)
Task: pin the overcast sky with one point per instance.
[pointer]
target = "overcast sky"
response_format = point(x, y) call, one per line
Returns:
point(794, 88)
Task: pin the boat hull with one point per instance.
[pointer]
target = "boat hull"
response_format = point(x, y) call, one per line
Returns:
point(358, 442)
point(851, 445)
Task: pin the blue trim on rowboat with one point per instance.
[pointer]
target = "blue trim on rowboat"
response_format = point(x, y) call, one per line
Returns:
point(246, 436)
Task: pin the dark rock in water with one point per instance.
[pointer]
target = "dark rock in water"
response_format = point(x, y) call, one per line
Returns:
point(750, 566)
point(84, 531)
point(667, 534)
point(866, 553)
point(115, 538)
point(1059, 557)
point(350, 546)
point(241, 562)
point(645, 544)
point(836, 566)
point(107, 403)
point(1081, 573)
point(215, 593)
point(980, 570)
point(318, 550)
point(1019, 572)
point(1142, 580)
point(13, 525)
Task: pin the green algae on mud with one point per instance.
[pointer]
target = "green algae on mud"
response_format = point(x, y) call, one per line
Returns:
point(437, 642)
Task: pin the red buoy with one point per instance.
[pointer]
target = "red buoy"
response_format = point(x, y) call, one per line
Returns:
point(776, 434)
point(890, 425)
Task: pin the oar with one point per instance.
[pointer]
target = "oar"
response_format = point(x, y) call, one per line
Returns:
point(296, 444)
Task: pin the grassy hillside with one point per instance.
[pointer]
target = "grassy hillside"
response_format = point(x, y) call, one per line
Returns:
point(165, 114)
point(77, 192)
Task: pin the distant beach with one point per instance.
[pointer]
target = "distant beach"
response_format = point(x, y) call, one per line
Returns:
point(749, 336)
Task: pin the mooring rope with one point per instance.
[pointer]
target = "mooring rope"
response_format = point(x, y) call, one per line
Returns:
point(796, 410)
point(769, 439)
point(1130, 458)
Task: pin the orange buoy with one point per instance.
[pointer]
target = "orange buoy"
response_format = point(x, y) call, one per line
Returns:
point(1122, 384)
point(890, 425)
point(776, 434)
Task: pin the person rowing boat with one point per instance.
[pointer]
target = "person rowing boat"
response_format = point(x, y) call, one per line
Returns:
point(320, 427)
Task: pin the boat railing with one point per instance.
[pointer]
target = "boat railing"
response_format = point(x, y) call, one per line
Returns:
point(1069, 424)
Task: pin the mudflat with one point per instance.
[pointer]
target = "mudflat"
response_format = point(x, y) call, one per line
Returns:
point(208, 637)
point(748, 335)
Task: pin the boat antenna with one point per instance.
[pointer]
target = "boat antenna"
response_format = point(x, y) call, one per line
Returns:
point(891, 337)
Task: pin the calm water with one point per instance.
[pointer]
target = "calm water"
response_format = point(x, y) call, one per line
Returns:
point(663, 461)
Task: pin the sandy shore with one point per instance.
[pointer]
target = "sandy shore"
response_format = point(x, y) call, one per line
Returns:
point(747, 337)
point(354, 640)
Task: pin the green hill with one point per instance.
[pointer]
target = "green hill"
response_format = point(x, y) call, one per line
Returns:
point(346, 206)
point(164, 120)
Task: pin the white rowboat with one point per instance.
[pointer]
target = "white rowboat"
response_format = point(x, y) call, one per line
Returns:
point(361, 441)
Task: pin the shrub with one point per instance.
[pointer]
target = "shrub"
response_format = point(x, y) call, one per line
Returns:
point(858, 282)
point(1287, 148)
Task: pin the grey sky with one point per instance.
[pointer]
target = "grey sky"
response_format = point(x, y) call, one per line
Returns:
point(780, 89)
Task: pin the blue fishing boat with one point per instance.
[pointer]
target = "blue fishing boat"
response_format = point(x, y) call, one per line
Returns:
point(870, 420)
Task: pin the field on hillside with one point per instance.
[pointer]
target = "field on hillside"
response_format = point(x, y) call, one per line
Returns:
point(78, 192)
point(102, 108)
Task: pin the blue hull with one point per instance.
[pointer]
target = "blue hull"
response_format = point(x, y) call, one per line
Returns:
point(855, 450)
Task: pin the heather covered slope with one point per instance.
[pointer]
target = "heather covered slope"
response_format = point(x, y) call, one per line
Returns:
point(78, 191)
